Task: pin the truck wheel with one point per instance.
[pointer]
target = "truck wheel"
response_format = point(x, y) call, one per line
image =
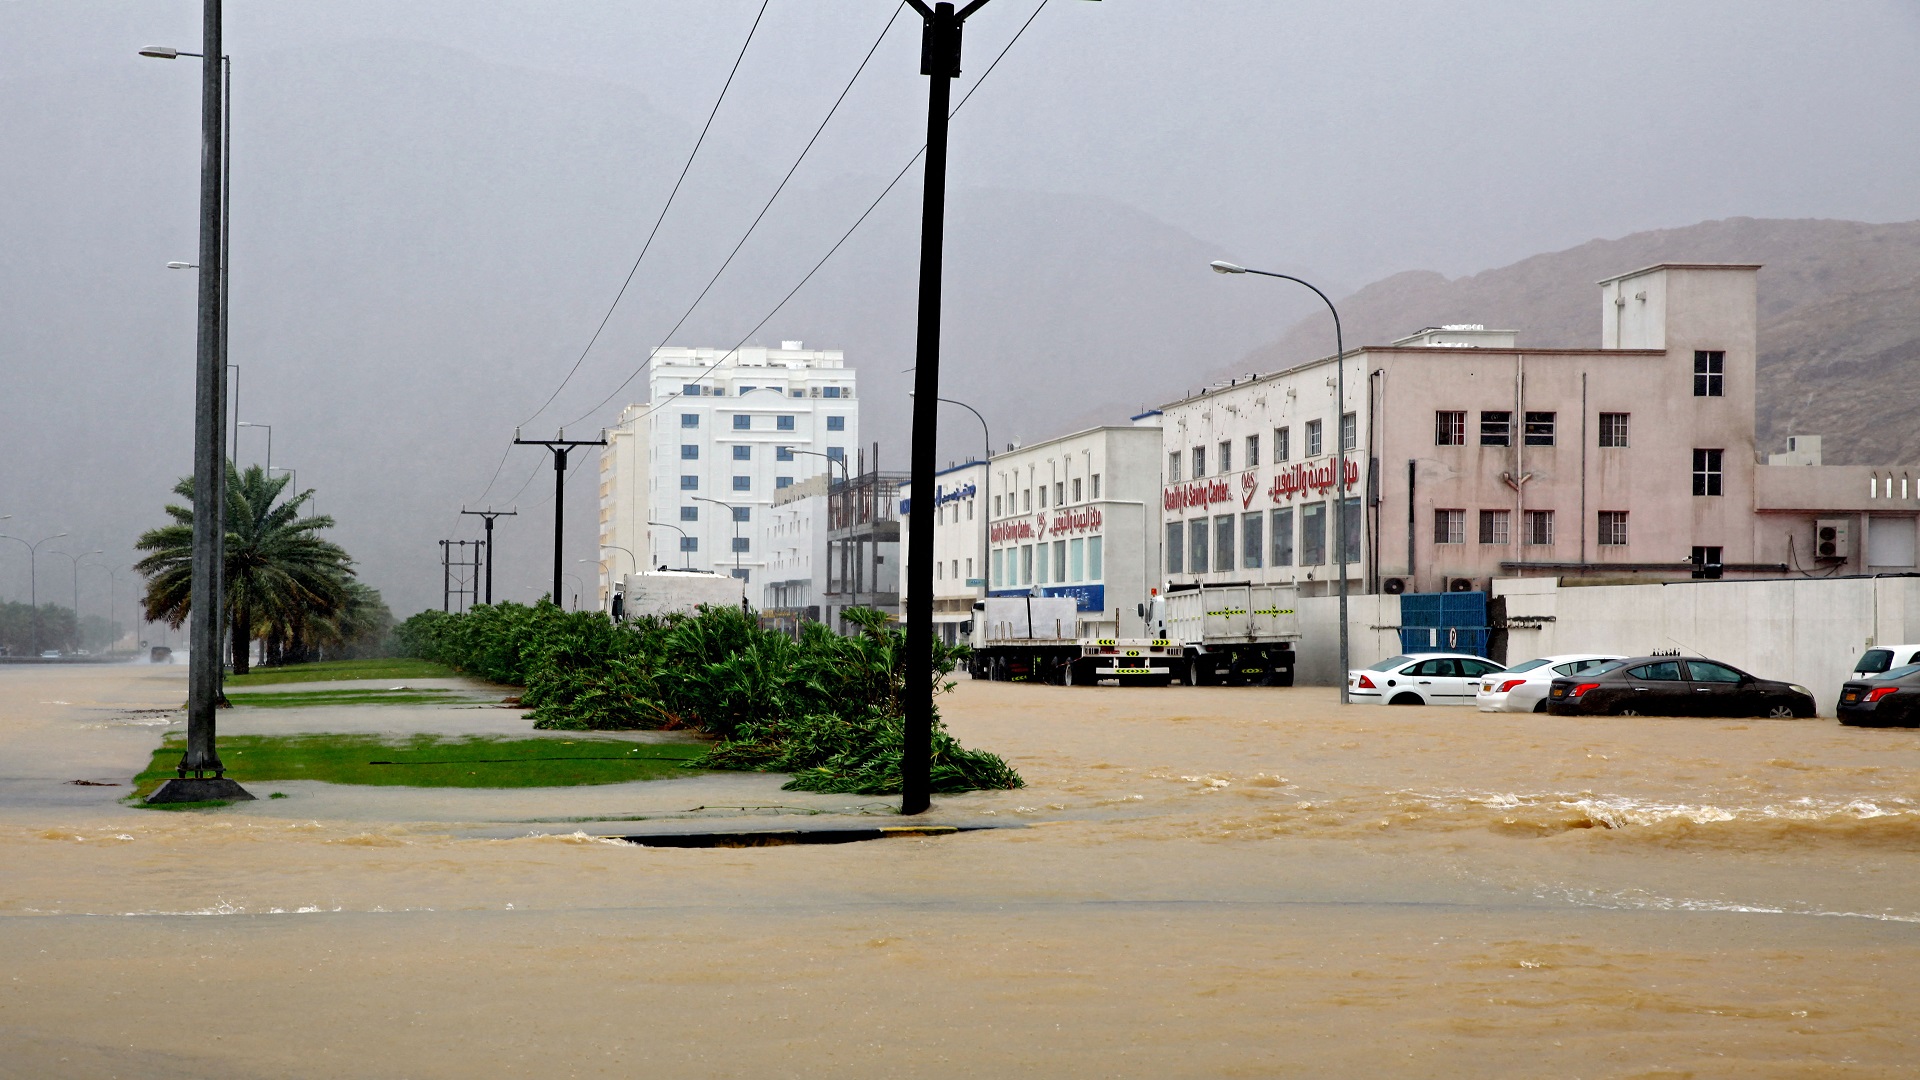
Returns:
point(1070, 676)
point(1196, 673)
point(1281, 677)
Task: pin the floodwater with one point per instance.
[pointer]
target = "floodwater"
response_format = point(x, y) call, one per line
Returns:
point(1198, 882)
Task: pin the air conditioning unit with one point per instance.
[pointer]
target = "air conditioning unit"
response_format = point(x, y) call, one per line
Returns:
point(1460, 584)
point(1833, 539)
point(1394, 586)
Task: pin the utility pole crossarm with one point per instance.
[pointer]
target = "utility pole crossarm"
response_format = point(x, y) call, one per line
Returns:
point(560, 447)
point(489, 515)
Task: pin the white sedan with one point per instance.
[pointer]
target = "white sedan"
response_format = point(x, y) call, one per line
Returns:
point(1427, 679)
point(1523, 687)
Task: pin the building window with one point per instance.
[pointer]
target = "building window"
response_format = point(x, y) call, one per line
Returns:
point(939, 570)
point(1175, 534)
point(741, 573)
point(836, 423)
point(1283, 536)
point(1706, 472)
point(691, 389)
point(829, 391)
point(1539, 429)
point(1537, 527)
point(1223, 542)
point(1613, 428)
point(742, 513)
point(1349, 432)
point(836, 453)
point(745, 390)
point(1076, 561)
point(1043, 496)
point(689, 419)
point(1449, 526)
point(783, 453)
point(743, 483)
point(780, 482)
point(689, 543)
point(1174, 475)
point(1493, 526)
point(689, 452)
point(742, 422)
point(1706, 562)
point(1282, 444)
point(1253, 539)
point(996, 506)
point(783, 423)
point(1059, 493)
point(1613, 528)
point(743, 453)
point(1026, 564)
point(1095, 493)
point(1709, 373)
point(1059, 561)
point(1253, 451)
point(1313, 438)
point(1094, 567)
point(740, 543)
point(1026, 500)
point(1496, 429)
point(969, 509)
point(1313, 534)
point(1076, 489)
point(1040, 564)
point(1199, 462)
point(689, 483)
point(1350, 529)
point(689, 513)
point(1226, 455)
point(999, 569)
point(1197, 546)
point(1449, 428)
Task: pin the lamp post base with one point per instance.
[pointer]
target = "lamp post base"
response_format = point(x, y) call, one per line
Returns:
point(200, 789)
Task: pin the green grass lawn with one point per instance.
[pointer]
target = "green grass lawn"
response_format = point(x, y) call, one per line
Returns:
point(299, 699)
point(337, 670)
point(432, 761)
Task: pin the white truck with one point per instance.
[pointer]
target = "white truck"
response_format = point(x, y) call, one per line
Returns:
point(1237, 634)
point(1042, 639)
point(661, 592)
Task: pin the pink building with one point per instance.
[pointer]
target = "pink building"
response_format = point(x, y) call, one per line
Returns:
point(1469, 457)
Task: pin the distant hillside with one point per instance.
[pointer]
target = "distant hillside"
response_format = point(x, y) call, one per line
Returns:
point(1839, 319)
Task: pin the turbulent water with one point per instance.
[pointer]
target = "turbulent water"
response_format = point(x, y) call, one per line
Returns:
point(1204, 882)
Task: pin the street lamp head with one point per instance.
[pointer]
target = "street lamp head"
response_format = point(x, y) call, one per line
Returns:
point(1221, 266)
point(176, 265)
point(160, 52)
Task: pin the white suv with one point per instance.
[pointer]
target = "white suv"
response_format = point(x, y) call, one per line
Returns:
point(1882, 658)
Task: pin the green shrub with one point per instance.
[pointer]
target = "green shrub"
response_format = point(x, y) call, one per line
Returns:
point(825, 707)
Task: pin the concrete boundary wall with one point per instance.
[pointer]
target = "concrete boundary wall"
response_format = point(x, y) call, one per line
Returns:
point(1317, 662)
point(1808, 631)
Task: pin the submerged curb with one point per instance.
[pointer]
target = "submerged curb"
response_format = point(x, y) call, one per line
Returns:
point(781, 837)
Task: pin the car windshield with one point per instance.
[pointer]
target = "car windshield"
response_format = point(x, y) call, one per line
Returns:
point(1528, 665)
point(1390, 663)
point(1874, 661)
point(1900, 672)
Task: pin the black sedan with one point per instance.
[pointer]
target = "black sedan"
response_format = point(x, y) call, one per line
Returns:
point(1889, 699)
point(1676, 686)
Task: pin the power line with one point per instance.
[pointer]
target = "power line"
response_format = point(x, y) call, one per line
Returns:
point(871, 207)
point(644, 248)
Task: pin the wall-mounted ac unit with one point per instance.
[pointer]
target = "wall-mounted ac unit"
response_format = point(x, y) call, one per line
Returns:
point(1393, 586)
point(1833, 539)
point(1460, 584)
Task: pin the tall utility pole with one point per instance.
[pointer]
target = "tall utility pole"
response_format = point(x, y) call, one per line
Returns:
point(465, 587)
point(209, 451)
point(560, 447)
point(488, 516)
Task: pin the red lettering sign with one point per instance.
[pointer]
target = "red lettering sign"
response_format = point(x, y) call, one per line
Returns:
point(1200, 493)
point(1298, 479)
point(1073, 521)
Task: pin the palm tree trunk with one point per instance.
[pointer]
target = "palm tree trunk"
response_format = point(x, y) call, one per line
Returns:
point(242, 638)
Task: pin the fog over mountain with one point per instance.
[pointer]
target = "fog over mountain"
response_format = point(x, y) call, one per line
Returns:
point(434, 205)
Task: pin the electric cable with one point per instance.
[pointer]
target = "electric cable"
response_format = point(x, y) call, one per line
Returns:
point(871, 207)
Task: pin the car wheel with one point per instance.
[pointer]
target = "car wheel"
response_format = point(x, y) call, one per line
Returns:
point(1782, 711)
point(1406, 699)
point(1628, 710)
point(1540, 706)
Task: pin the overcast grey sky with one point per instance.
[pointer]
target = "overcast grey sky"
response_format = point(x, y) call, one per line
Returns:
point(1348, 140)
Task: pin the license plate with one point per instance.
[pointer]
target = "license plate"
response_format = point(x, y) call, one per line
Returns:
point(1559, 691)
point(1486, 688)
point(1851, 695)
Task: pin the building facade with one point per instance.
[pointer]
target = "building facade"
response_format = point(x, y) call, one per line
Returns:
point(1467, 456)
point(1079, 516)
point(724, 432)
point(959, 542)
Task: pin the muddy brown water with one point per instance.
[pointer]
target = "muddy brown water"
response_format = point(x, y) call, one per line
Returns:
point(1208, 882)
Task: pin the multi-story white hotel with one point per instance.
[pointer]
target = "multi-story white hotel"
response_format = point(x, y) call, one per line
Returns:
point(721, 434)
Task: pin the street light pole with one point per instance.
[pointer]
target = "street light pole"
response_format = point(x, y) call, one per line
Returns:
point(269, 428)
point(75, 560)
point(846, 493)
point(986, 491)
point(33, 584)
point(1340, 442)
point(686, 561)
point(735, 514)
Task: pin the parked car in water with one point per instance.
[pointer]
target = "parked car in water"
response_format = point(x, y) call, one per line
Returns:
point(1676, 686)
point(50, 654)
point(1888, 699)
point(1426, 679)
point(1523, 687)
point(1884, 658)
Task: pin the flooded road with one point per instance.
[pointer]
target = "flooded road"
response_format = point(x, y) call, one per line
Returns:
point(1200, 882)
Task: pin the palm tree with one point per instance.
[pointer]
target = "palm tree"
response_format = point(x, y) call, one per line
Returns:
point(280, 575)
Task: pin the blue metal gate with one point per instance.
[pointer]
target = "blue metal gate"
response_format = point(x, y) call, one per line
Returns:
point(1443, 622)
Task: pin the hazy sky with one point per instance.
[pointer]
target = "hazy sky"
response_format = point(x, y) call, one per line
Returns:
point(1348, 140)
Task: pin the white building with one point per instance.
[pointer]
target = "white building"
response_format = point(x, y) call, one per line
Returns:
point(1079, 516)
point(723, 432)
point(795, 546)
point(959, 542)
